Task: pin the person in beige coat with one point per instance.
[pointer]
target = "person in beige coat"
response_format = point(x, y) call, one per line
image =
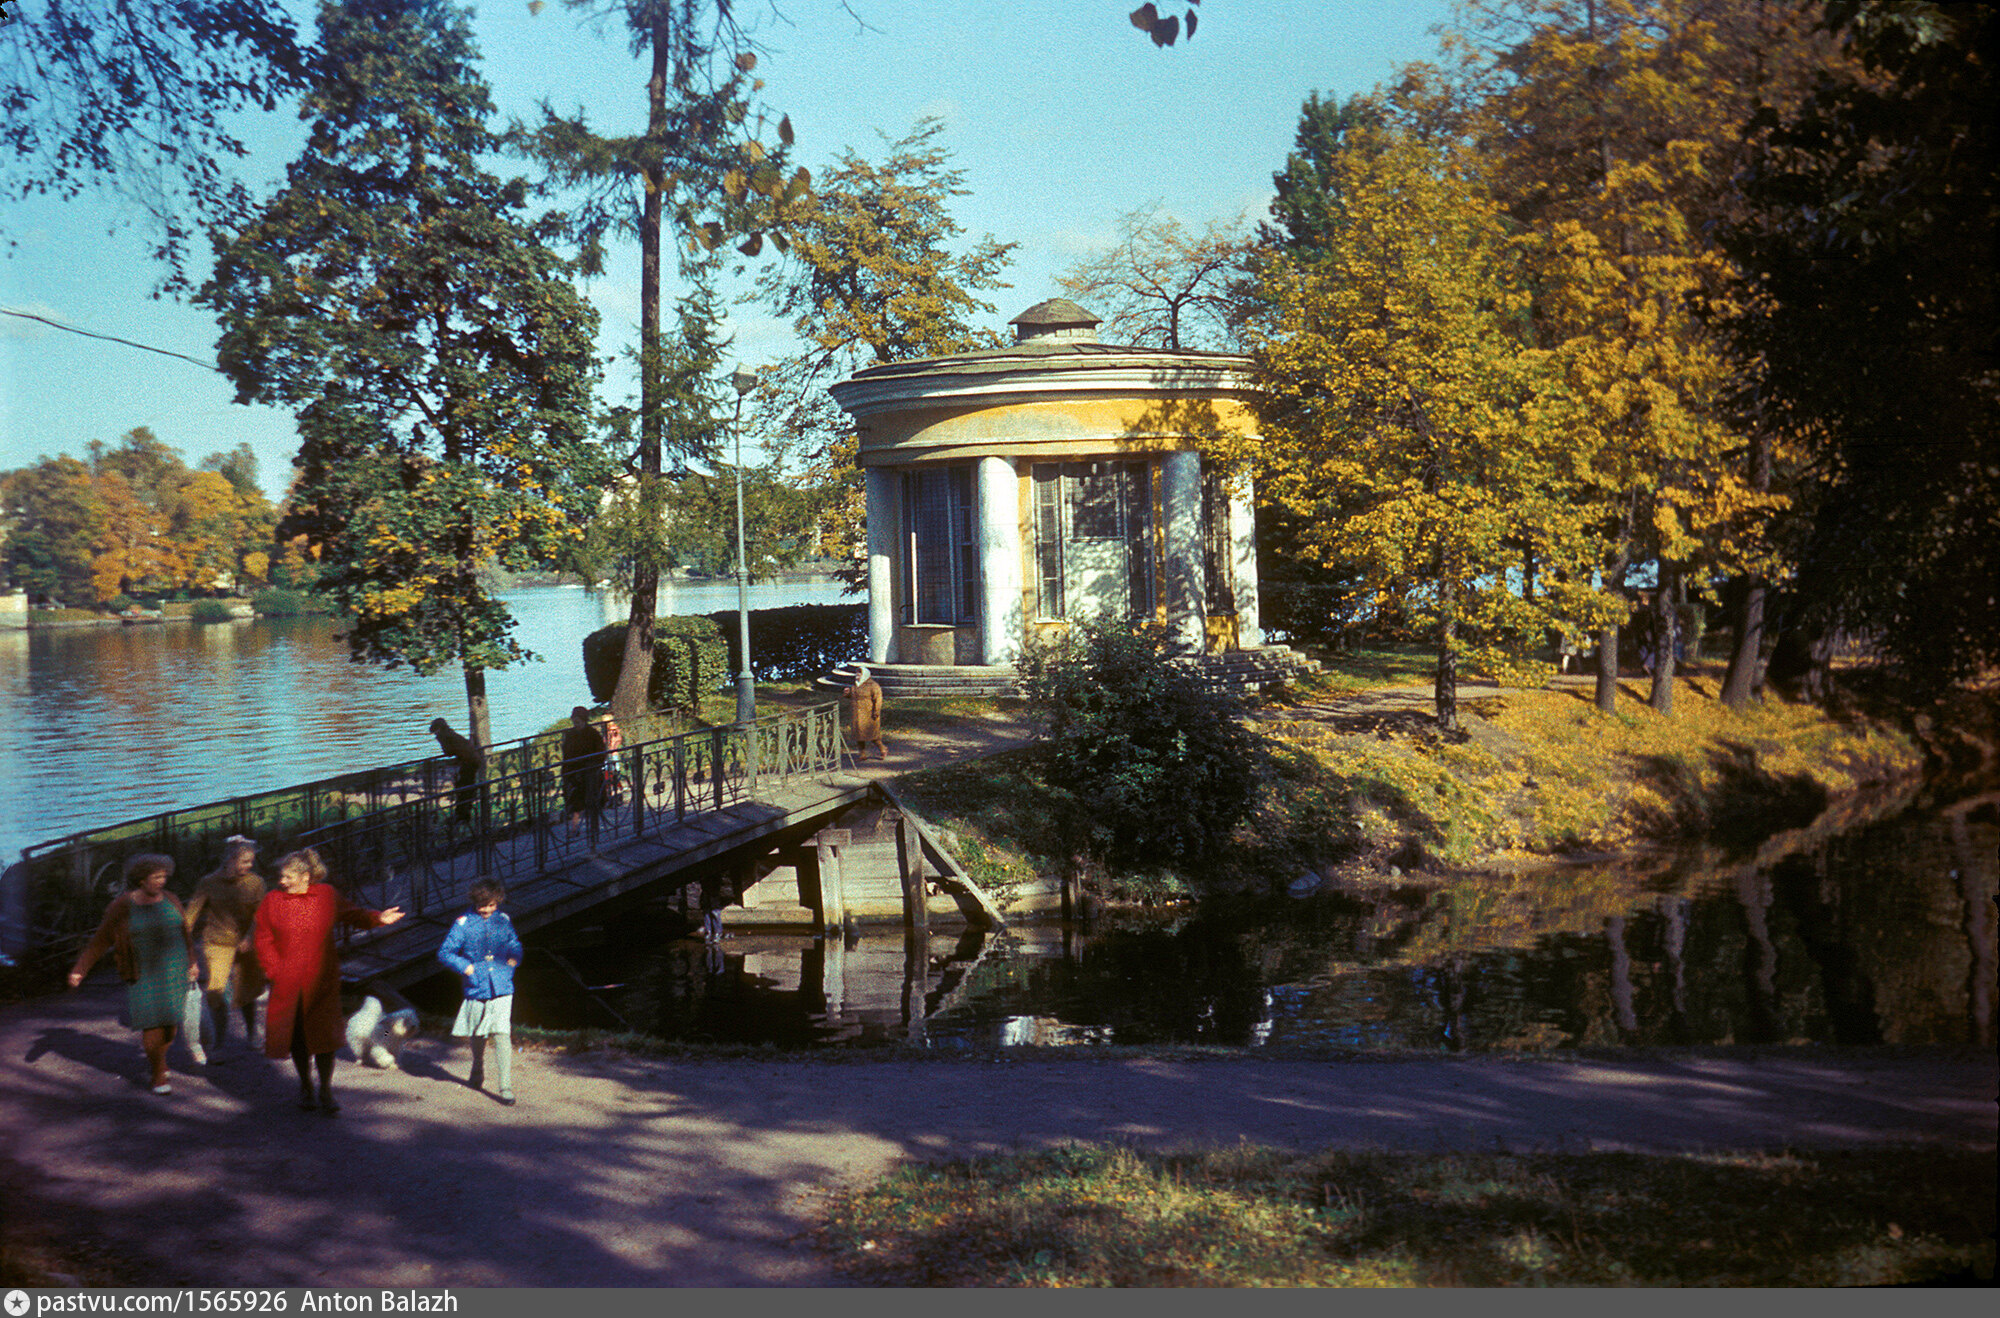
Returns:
point(221, 917)
point(866, 693)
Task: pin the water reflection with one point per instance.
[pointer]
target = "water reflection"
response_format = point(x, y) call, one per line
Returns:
point(1881, 935)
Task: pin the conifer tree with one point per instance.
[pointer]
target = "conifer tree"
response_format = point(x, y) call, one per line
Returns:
point(702, 165)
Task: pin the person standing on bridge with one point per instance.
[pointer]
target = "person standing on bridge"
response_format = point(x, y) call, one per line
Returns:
point(866, 693)
point(614, 741)
point(583, 770)
point(484, 949)
point(468, 764)
point(294, 937)
point(146, 931)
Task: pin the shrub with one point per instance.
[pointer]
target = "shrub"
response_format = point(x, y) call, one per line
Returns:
point(689, 660)
point(1154, 769)
point(798, 640)
point(205, 611)
point(118, 603)
point(283, 602)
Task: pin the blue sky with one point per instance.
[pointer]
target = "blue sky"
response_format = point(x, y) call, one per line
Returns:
point(1061, 114)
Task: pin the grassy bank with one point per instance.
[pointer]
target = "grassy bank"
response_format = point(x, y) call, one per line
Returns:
point(1247, 1216)
point(1361, 783)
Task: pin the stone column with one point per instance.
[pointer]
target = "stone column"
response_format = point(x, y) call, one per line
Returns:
point(1243, 562)
point(1186, 593)
point(881, 566)
point(999, 518)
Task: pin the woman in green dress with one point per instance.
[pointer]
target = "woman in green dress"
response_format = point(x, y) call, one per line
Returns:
point(146, 931)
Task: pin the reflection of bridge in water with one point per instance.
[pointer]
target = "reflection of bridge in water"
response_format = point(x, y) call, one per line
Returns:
point(732, 808)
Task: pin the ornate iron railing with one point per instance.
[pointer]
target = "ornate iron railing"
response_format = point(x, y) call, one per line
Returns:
point(406, 824)
point(421, 855)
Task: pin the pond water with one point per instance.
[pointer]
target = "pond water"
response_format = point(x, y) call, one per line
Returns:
point(103, 724)
point(1882, 931)
point(1881, 934)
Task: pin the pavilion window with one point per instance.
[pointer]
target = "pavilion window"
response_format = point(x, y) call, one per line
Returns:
point(1218, 555)
point(1094, 538)
point(941, 562)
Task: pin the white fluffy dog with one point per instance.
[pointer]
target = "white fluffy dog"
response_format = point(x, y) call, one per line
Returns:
point(377, 1030)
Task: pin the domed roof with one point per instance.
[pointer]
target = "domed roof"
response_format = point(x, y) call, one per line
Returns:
point(1056, 313)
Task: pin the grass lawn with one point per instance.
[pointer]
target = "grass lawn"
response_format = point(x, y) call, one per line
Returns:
point(1249, 1216)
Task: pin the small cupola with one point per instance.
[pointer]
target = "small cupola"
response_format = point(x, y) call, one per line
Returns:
point(1057, 318)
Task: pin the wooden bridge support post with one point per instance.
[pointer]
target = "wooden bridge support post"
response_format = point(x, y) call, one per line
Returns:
point(832, 894)
point(910, 865)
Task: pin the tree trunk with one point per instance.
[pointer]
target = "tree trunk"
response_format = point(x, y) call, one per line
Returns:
point(635, 672)
point(1446, 690)
point(477, 712)
point(1666, 637)
point(1745, 680)
point(1608, 639)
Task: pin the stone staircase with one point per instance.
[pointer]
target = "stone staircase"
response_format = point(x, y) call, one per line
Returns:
point(1241, 671)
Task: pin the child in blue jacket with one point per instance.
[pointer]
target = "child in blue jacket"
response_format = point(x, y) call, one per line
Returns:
point(484, 949)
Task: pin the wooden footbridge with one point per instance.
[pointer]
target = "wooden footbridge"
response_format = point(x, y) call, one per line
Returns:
point(724, 807)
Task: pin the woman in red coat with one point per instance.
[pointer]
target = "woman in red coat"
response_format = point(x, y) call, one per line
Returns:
point(295, 949)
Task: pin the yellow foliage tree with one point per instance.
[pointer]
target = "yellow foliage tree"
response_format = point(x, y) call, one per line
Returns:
point(1613, 128)
point(1409, 420)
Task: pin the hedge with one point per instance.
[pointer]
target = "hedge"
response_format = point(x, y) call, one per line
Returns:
point(799, 640)
point(689, 659)
point(699, 650)
point(211, 611)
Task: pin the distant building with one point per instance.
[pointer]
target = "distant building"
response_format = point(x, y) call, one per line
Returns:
point(1013, 489)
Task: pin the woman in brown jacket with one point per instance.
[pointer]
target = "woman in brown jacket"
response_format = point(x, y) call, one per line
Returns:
point(219, 918)
point(146, 931)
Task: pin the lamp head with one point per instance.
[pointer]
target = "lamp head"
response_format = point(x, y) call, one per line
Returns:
point(744, 381)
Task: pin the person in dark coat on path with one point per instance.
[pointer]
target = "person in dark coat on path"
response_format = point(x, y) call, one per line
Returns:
point(469, 765)
point(146, 931)
point(583, 756)
point(295, 948)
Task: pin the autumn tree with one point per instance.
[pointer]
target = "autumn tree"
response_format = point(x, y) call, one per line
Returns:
point(702, 166)
point(1613, 128)
point(1401, 390)
point(396, 295)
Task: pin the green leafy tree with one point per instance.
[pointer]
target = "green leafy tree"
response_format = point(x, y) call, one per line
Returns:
point(875, 272)
point(395, 294)
point(53, 518)
point(701, 163)
point(1873, 233)
point(1404, 400)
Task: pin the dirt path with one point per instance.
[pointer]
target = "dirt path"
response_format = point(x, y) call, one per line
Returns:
point(617, 1171)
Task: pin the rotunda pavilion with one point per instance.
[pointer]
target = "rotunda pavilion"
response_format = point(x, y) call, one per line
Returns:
point(1012, 490)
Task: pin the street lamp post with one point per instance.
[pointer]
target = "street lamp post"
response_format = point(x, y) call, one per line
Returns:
point(746, 686)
